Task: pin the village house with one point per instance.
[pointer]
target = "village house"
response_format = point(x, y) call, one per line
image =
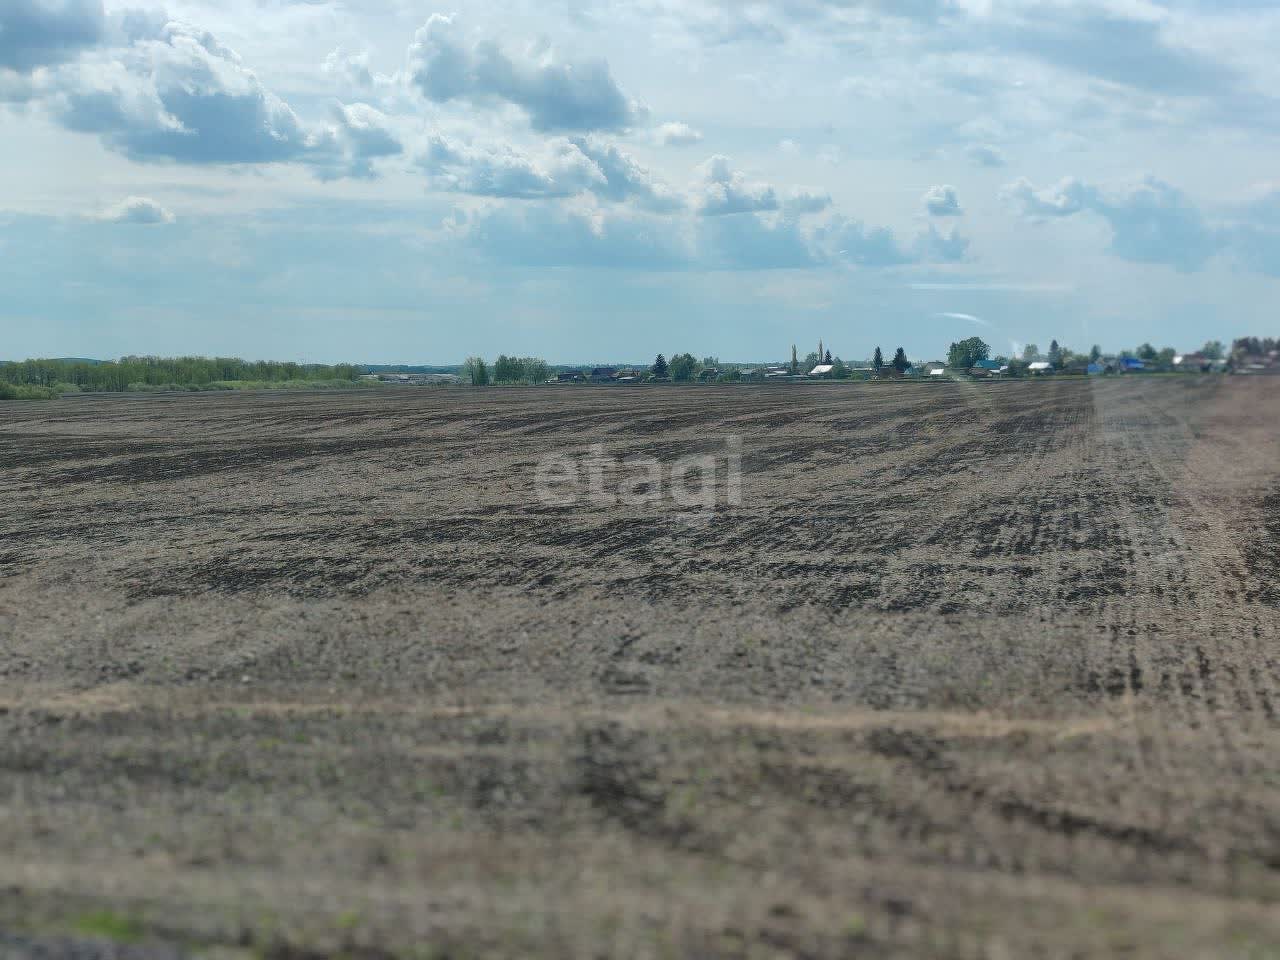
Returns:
point(987, 368)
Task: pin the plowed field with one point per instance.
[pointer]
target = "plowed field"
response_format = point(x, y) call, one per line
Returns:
point(968, 670)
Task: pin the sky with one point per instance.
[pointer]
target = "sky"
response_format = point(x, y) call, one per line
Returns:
point(396, 181)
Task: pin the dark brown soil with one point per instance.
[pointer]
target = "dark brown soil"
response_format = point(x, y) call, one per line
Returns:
point(973, 670)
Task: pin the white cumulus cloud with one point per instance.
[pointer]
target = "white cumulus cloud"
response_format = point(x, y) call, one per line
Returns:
point(677, 135)
point(724, 190)
point(497, 169)
point(557, 97)
point(942, 201)
point(139, 210)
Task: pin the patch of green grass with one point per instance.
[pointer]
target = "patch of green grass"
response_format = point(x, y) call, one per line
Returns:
point(110, 926)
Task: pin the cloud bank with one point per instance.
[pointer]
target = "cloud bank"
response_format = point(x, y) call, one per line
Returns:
point(1151, 221)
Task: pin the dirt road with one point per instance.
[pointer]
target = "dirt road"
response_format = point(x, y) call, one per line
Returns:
point(979, 670)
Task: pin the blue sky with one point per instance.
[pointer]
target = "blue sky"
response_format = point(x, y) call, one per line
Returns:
point(389, 180)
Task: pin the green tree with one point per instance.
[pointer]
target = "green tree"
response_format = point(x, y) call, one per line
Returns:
point(535, 369)
point(684, 367)
point(659, 368)
point(877, 360)
point(795, 363)
point(1055, 355)
point(1213, 350)
point(156, 372)
point(827, 357)
point(507, 369)
point(810, 362)
point(1031, 353)
point(1095, 353)
point(966, 353)
point(1147, 352)
point(900, 361)
point(477, 370)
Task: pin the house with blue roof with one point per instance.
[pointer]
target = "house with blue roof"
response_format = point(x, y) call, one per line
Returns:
point(986, 368)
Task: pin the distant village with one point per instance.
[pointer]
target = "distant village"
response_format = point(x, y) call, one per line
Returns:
point(967, 359)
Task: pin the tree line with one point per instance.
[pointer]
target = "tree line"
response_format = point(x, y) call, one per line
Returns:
point(1248, 348)
point(506, 369)
point(133, 373)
